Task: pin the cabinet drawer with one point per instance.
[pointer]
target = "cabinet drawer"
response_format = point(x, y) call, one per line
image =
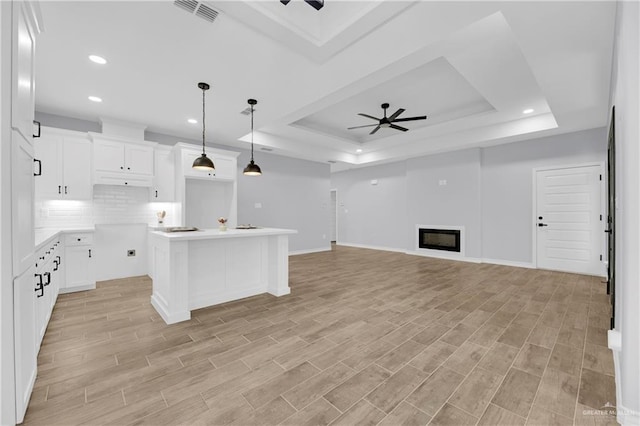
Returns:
point(84, 239)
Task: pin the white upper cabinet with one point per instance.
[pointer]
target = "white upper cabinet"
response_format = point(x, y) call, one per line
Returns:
point(123, 158)
point(108, 156)
point(122, 162)
point(138, 159)
point(66, 166)
point(22, 75)
point(164, 178)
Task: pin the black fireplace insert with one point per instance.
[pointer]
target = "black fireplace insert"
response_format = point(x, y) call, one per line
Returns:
point(439, 239)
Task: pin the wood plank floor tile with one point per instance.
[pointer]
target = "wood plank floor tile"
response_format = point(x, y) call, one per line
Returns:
point(558, 392)
point(596, 389)
point(532, 359)
point(318, 413)
point(434, 391)
point(517, 392)
point(356, 387)
point(405, 415)
point(450, 415)
point(263, 393)
point(361, 414)
point(432, 357)
point(476, 391)
point(355, 326)
point(495, 415)
point(391, 392)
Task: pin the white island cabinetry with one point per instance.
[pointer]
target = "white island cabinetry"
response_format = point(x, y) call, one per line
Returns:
point(193, 270)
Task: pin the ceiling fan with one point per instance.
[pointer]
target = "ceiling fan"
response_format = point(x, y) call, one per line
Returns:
point(385, 122)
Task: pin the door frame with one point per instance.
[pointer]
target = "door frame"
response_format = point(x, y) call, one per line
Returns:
point(534, 214)
point(335, 211)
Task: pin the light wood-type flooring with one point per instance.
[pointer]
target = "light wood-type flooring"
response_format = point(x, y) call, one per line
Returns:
point(365, 337)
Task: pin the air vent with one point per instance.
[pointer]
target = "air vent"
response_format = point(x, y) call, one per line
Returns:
point(205, 12)
point(199, 9)
point(188, 5)
point(266, 149)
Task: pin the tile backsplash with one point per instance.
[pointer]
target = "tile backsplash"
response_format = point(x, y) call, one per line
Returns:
point(110, 205)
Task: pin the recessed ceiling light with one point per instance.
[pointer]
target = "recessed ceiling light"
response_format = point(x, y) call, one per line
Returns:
point(97, 59)
point(95, 99)
point(528, 111)
point(358, 150)
point(192, 121)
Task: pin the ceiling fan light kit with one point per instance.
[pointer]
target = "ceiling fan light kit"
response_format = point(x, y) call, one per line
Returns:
point(387, 122)
point(252, 168)
point(203, 162)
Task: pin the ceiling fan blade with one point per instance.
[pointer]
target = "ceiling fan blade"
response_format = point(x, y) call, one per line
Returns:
point(393, 126)
point(375, 130)
point(368, 116)
point(422, 117)
point(395, 114)
point(360, 127)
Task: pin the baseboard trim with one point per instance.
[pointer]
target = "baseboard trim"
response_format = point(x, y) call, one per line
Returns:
point(513, 263)
point(444, 256)
point(309, 251)
point(77, 288)
point(366, 246)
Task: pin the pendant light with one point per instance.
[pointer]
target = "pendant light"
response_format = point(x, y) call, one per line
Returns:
point(203, 162)
point(252, 168)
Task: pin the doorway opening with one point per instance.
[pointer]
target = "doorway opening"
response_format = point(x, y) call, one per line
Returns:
point(334, 216)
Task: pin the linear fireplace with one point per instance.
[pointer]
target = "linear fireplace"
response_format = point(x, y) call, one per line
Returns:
point(439, 239)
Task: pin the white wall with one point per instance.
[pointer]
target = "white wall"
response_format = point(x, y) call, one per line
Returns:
point(372, 215)
point(293, 193)
point(488, 191)
point(625, 90)
point(507, 190)
point(444, 190)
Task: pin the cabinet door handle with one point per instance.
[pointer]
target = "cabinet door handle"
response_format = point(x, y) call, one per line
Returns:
point(65, 189)
point(89, 252)
point(39, 286)
point(59, 189)
point(57, 264)
point(128, 168)
point(48, 275)
point(126, 183)
point(59, 259)
point(121, 167)
point(39, 173)
point(156, 193)
point(37, 135)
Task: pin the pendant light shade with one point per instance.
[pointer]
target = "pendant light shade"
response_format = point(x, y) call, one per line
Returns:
point(203, 162)
point(252, 168)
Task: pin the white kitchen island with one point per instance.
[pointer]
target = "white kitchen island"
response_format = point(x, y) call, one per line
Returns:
point(193, 270)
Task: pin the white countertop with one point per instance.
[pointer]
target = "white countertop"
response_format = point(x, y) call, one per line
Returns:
point(42, 235)
point(204, 234)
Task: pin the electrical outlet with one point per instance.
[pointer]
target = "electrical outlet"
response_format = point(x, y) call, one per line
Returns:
point(131, 253)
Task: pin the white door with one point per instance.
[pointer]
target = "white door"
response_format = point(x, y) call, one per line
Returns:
point(139, 159)
point(22, 85)
point(568, 222)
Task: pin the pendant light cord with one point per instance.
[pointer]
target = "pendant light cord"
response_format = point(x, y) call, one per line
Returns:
point(203, 122)
point(251, 133)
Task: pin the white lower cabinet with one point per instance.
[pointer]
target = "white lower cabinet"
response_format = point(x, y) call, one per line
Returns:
point(79, 265)
point(25, 293)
